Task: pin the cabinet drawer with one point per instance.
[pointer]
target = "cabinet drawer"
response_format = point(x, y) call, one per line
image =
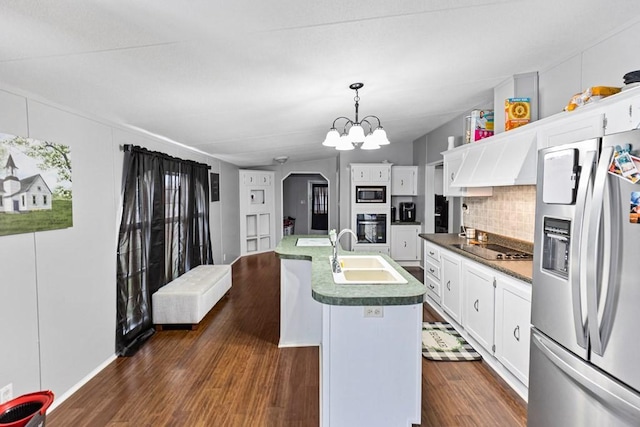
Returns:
point(433, 286)
point(433, 297)
point(433, 252)
point(433, 269)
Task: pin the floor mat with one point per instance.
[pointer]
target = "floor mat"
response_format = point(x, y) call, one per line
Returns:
point(441, 342)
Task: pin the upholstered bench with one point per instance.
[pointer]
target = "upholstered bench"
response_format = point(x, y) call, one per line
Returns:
point(187, 299)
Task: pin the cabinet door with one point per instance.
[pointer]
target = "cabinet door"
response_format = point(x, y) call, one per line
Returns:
point(404, 180)
point(452, 164)
point(572, 129)
point(379, 173)
point(450, 289)
point(622, 116)
point(513, 318)
point(404, 242)
point(360, 174)
point(479, 303)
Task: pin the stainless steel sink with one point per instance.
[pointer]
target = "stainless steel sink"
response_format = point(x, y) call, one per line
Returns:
point(366, 269)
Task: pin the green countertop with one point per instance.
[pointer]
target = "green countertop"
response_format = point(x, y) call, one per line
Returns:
point(326, 291)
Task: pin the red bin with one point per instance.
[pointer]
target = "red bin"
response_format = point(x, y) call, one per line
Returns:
point(28, 410)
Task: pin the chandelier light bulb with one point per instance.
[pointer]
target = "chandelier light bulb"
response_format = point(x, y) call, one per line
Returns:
point(370, 142)
point(381, 136)
point(332, 139)
point(345, 143)
point(356, 133)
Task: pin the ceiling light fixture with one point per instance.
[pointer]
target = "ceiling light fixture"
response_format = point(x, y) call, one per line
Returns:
point(353, 133)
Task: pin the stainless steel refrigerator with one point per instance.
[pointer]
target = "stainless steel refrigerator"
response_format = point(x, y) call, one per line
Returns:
point(585, 341)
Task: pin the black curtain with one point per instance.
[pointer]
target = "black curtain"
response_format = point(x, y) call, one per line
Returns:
point(164, 232)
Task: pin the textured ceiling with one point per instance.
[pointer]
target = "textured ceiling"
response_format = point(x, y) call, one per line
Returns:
point(247, 81)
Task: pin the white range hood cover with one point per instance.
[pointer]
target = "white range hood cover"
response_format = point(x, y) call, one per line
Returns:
point(505, 159)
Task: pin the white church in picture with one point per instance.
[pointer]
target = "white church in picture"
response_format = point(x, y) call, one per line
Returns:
point(23, 195)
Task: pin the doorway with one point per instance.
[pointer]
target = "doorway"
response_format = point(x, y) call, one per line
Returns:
point(318, 196)
point(305, 203)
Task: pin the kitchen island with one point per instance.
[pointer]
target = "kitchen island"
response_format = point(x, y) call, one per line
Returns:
point(369, 337)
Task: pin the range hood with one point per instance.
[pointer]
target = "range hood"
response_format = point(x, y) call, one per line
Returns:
point(508, 158)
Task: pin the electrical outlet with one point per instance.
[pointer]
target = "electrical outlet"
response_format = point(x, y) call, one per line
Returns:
point(6, 393)
point(373, 311)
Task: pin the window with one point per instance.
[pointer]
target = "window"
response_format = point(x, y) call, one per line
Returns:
point(44, 199)
point(164, 232)
point(34, 200)
point(24, 200)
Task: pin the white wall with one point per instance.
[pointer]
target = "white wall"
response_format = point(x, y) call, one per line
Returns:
point(325, 167)
point(58, 288)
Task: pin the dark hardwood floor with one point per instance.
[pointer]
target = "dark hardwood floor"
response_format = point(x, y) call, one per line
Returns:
point(230, 372)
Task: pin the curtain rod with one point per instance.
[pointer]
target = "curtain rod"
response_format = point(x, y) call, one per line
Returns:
point(137, 148)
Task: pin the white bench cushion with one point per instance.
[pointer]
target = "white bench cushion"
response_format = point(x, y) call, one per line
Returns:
point(187, 299)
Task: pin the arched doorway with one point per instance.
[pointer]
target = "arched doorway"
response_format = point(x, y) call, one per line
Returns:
point(305, 202)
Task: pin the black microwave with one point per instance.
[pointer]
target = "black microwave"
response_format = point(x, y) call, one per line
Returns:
point(371, 194)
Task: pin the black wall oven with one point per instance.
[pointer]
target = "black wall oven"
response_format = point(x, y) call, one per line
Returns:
point(371, 194)
point(371, 228)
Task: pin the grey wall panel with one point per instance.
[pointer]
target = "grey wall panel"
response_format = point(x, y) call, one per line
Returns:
point(76, 267)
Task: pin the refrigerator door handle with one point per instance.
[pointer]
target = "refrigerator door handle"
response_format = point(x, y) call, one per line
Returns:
point(576, 252)
point(601, 250)
point(609, 393)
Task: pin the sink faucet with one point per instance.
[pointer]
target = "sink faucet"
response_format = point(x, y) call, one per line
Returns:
point(335, 241)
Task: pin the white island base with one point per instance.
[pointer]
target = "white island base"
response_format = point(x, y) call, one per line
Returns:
point(371, 367)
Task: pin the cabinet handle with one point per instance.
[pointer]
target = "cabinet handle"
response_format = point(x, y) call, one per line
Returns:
point(431, 286)
point(380, 174)
point(405, 244)
point(516, 333)
point(431, 253)
point(449, 285)
point(475, 305)
point(431, 270)
point(452, 176)
point(402, 182)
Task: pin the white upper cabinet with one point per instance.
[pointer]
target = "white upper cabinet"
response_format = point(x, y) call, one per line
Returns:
point(404, 180)
point(510, 158)
point(373, 173)
point(572, 128)
point(623, 116)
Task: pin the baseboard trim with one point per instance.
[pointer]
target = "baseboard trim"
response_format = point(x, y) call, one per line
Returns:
point(60, 399)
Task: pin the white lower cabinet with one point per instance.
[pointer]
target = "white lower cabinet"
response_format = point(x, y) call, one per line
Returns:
point(513, 326)
point(490, 307)
point(451, 290)
point(479, 303)
point(404, 242)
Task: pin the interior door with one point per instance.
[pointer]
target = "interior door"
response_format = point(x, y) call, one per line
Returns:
point(319, 207)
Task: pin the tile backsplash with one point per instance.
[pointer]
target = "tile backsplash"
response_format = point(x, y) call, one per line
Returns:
point(509, 212)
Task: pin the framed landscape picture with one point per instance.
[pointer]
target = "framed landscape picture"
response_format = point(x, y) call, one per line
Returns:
point(35, 185)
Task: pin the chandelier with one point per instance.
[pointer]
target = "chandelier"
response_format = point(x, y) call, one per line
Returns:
point(353, 132)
